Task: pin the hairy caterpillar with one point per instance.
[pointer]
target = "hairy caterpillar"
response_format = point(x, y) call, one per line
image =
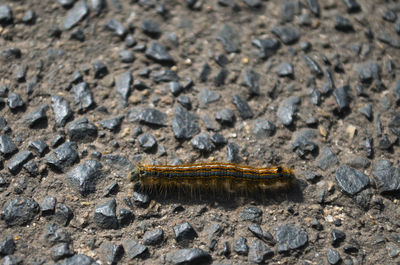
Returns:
point(212, 176)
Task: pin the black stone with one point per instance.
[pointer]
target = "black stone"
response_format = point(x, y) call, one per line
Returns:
point(66, 3)
point(100, 69)
point(61, 251)
point(232, 153)
point(290, 237)
point(394, 125)
point(63, 157)
point(7, 246)
point(62, 110)
point(189, 256)
point(184, 232)
point(387, 177)
point(369, 147)
point(366, 110)
point(104, 215)
point(83, 97)
point(351, 180)
point(202, 142)
point(78, 34)
point(184, 125)
point(134, 250)
point(263, 128)
point(6, 16)
point(15, 101)
point(326, 159)
point(259, 252)
point(329, 85)
point(147, 116)
point(116, 27)
point(20, 211)
point(251, 213)
point(240, 246)
point(112, 124)
point(55, 235)
point(80, 259)
point(165, 76)
point(268, 46)
point(127, 56)
point(154, 237)
point(48, 205)
point(112, 253)
point(352, 6)
point(332, 256)
point(256, 230)
point(82, 130)
point(230, 39)
point(285, 69)
point(287, 11)
point(303, 143)
point(243, 107)
point(338, 236)
point(219, 79)
point(343, 24)
point(12, 260)
point(125, 217)
point(175, 88)
point(185, 101)
point(76, 14)
point(314, 7)
point(287, 110)
point(140, 85)
point(158, 53)
point(207, 96)
point(98, 5)
point(19, 160)
point(225, 117)
point(218, 139)
point(63, 214)
point(316, 224)
point(39, 147)
point(124, 85)
point(151, 28)
point(141, 199)
point(20, 73)
point(7, 146)
point(118, 162)
point(83, 177)
point(251, 80)
point(368, 71)
point(314, 67)
point(287, 34)
point(147, 141)
point(342, 98)
point(36, 117)
point(390, 15)
point(204, 72)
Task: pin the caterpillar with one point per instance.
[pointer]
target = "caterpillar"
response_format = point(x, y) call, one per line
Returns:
point(212, 176)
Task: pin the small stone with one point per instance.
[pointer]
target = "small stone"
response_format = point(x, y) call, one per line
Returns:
point(6, 16)
point(225, 116)
point(61, 251)
point(326, 159)
point(218, 139)
point(147, 142)
point(104, 215)
point(263, 128)
point(259, 252)
point(184, 232)
point(78, 34)
point(243, 107)
point(125, 217)
point(207, 96)
point(7, 246)
point(7, 146)
point(82, 130)
point(366, 110)
point(285, 69)
point(39, 147)
point(36, 117)
point(152, 117)
point(184, 125)
point(66, 3)
point(288, 35)
point(75, 14)
point(63, 214)
point(392, 250)
point(62, 110)
point(55, 235)
point(387, 177)
point(185, 101)
point(343, 24)
point(202, 142)
point(111, 253)
point(175, 88)
point(151, 28)
point(253, 3)
point(268, 46)
point(240, 246)
point(219, 79)
point(112, 124)
point(63, 157)
point(251, 213)
point(20, 73)
point(316, 224)
point(204, 72)
point(116, 27)
point(230, 39)
point(251, 80)
point(290, 237)
point(134, 250)
point(80, 259)
point(100, 69)
point(314, 67)
point(314, 7)
point(83, 177)
point(153, 237)
point(158, 53)
point(256, 230)
point(359, 162)
point(232, 153)
point(48, 205)
point(352, 6)
point(140, 85)
point(368, 71)
point(19, 160)
point(124, 85)
point(287, 110)
point(15, 101)
point(126, 56)
point(394, 125)
point(332, 256)
point(390, 16)
point(189, 256)
point(83, 97)
point(12, 260)
point(141, 199)
point(98, 5)
point(351, 180)
point(338, 236)
point(20, 211)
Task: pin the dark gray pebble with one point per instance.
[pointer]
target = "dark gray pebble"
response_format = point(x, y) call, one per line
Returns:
point(204, 72)
point(20, 211)
point(76, 14)
point(147, 141)
point(358, 162)
point(147, 116)
point(66, 3)
point(232, 153)
point(218, 139)
point(62, 110)
point(290, 237)
point(368, 71)
point(55, 235)
point(165, 76)
point(82, 130)
point(304, 143)
point(16, 163)
point(243, 107)
point(151, 28)
point(332, 256)
point(7, 146)
point(329, 85)
point(63, 214)
point(154, 237)
point(125, 217)
point(366, 110)
point(287, 34)
point(219, 79)
point(184, 232)
point(390, 15)
point(338, 236)
point(12, 260)
point(80, 259)
point(100, 70)
point(263, 128)
point(387, 177)
point(189, 256)
point(207, 96)
point(111, 253)
point(63, 157)
point(127, 56)
point(287, 110)
point(202, 142)
point(259, 252)
point(175, 88)
point(117, 161)
point(352, 6)
point(351, 180)
point(6, 16)
point(83, 177)
point(285, 69)
point(268, 46)
point(316, 224)
point(240, 246)
point(185, 101)
point(141, 199)
point(343, 24)
point(140, 85)
point(225, 116)
point(83, 97)
point(326, 159)
point(7, 245)
point(394, 124)
point(158, 53)
point(253, 3)
point(116, 27)
point(111, 124)
point(48, 205)
point(105, 216)
point(314, 7)
point(34, 118)
point(124, 85)
point(251, 213)
point(32, 168)
point(230, 39)
point(134, 250)
point(61, 251)
point(251, 80)
point(184, 125)
point(314, 67)
point(15, 101)
point(98, 5)
point(78, 34)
